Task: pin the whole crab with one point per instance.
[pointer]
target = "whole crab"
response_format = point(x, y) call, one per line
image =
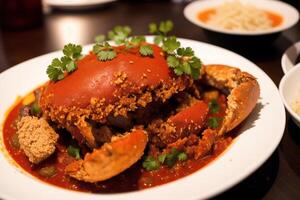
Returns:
point(119, 106)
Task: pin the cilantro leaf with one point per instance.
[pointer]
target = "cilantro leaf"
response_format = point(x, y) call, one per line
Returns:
point(170, 44)
point(213, 122)
point(152, 28)
point(162, 158)
point(171, 158)
point(119, 34)
point(100, 38)
point(74, 152)
point(146, 50)
point(185, 51)
point(72, 50)
point(55, 70)
point(66, 64)
point(173, 61)
point(105, 55)
point(150, 163)
point(213, 106)
point(182, 156)
point(165, 26)
point(136, 40)
point(158, 39)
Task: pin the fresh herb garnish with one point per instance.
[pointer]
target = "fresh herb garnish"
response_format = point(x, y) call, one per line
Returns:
point(146, 50)
point(181, 60)
point(66, 64)
point(213, 122)
point(120, 35)
point(169, 159)
point(213, 106)
point(35, 109)
point(160, 30)
point(182, 156)
point(151, 163)
point(74, 151)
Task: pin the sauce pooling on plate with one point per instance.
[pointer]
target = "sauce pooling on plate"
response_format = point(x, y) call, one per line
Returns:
point(135, 178)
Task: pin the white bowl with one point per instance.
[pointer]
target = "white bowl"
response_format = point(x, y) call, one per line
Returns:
point(289, 89)
point(290, 15)
point(289, 58)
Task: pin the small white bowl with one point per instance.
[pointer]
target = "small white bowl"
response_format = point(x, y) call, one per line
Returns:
point(289, 58)
point(289, 89)
point(289, 13)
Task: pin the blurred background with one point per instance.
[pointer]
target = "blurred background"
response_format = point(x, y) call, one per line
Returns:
point(30, 28)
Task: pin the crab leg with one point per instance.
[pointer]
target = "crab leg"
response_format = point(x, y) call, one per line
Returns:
point(243, 92)
point(189, 120)
point(111, 159)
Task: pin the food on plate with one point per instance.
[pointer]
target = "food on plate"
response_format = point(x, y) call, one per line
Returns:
point(296, 105)
point(128, 116)
point(240, 16)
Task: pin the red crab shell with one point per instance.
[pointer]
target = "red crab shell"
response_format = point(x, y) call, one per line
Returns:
point(95, 79)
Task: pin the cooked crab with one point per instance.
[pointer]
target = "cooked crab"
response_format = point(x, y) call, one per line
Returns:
point(117, 107)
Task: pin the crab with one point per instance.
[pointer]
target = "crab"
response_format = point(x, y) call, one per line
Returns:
point(118, 107)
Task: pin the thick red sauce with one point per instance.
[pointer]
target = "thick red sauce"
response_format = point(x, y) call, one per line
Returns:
point(135, 178)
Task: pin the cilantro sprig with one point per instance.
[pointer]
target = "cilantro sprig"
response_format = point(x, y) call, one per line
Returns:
point(121, 36)
point(181, 60)
point(66, 64)
point(169, 159)
point(214, 107)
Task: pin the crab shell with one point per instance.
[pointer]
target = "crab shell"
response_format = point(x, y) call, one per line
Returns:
point(97, 89)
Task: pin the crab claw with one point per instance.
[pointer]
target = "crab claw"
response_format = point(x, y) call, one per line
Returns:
point(111, 159)
point(243, 91)
point(188, 120)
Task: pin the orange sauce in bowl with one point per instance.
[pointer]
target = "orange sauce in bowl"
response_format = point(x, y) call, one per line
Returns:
point(204, 16)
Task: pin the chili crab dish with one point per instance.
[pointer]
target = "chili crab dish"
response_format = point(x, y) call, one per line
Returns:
point(129, 116)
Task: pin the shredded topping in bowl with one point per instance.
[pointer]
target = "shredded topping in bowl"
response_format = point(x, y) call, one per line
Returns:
point(238, 16)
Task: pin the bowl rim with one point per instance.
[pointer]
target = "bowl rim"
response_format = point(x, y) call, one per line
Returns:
point(287, 23)
point(281, 88)
point(286, 62)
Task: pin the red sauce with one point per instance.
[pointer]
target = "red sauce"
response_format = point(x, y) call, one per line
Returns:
point(135, 178)
point(204, 16)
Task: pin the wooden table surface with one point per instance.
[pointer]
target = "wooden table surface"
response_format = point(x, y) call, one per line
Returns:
point(278, 178)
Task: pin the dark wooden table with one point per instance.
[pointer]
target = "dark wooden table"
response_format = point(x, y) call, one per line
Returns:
point(278, 178)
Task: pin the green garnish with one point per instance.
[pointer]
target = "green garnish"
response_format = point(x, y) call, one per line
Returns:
point(213, 122)
point(181, 60)
point(66, 64)
point(169, 159)
point(160, 30)
point(213, 106)
point(172, 157)
point(146, 50)
point(151, 163)
point(119, 34)
point(74, 151)
point(104, 51)
point(182, 156)
point(35, 109)
point(162, 158)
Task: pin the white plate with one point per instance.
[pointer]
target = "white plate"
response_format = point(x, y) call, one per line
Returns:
point(289, 58)
point(76, 4)
point(258, 139)
point(290, 15)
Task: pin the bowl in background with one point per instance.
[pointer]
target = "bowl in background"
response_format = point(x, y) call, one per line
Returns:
point(289, 89)
point(289, 14)
point(291, 57)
